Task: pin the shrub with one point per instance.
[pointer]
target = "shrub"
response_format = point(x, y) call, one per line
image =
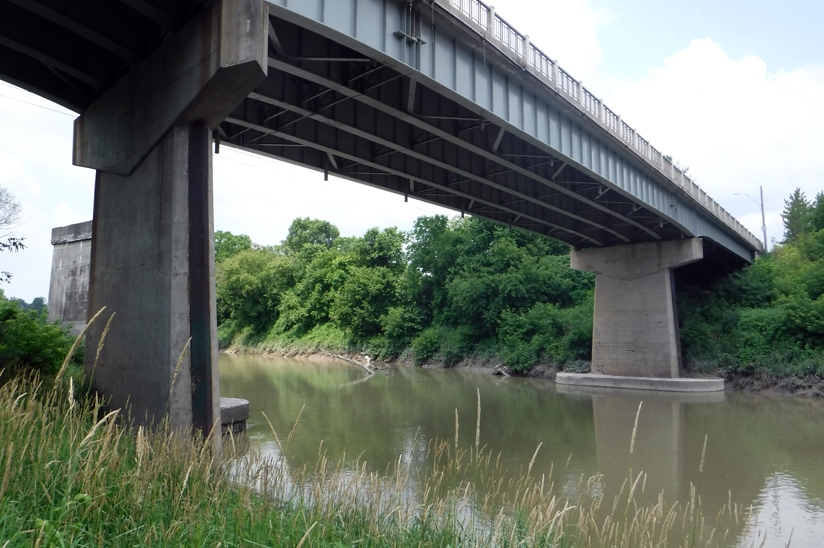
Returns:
point(426, 345)
point(29, 342)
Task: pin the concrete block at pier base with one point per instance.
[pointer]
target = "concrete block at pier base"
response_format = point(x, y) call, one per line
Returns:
point(234, 412)
point(640, 383)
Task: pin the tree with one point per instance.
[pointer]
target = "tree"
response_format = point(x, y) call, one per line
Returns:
point(795, 216)
point(305, 231)
point(9, 214)
point(250, 285)
point(816, 213)
point(228, 245)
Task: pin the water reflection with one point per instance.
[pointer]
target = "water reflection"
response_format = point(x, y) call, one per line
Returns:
point(761, 452)
point(659, 438)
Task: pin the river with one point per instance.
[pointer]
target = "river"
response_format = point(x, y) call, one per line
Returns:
point(765, 453)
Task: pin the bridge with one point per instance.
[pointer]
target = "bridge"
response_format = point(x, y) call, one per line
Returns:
point(440, 100)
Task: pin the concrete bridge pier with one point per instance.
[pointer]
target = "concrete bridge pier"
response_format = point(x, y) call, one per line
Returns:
point(635, 325)
point(149, 138)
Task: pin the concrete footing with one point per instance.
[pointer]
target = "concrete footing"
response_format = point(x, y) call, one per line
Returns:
point(640, 383)
point(234, 412)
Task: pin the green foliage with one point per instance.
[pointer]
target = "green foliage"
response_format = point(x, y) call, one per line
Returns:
point(546, 333)
point(250, 285)
point(38, 304)
point(366, 295)
point(441, 290)
point(456, 288)
point(29, 342)
point(770, 315)
point(228, 245)
point(795, 216)
point(306, 231)
point(427, 344)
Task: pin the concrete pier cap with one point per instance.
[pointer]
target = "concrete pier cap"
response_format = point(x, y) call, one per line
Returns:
point(635, 322)
point(629, 262)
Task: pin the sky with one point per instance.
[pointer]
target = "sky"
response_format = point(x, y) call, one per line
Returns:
point(732, 89)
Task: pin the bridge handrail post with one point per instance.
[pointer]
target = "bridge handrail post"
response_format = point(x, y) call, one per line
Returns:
point(526, 51)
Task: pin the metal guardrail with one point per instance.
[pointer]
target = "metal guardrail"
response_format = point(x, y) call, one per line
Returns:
point(500, 33)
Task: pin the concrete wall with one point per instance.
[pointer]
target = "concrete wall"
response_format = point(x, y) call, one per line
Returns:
point(69, 287)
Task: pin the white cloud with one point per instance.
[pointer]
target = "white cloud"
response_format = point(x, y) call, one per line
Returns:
point(64, 215)
point(566, 30)
point(736, 124)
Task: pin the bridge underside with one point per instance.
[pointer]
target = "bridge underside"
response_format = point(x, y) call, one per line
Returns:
point(333, 109)
point(253, 75)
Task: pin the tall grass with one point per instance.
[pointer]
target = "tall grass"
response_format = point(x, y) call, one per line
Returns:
point(74, 476)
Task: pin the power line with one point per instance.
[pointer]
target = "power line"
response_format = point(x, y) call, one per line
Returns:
point(36, 105)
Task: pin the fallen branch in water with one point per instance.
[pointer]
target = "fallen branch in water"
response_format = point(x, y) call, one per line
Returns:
point(500, 369)
point(367, 367)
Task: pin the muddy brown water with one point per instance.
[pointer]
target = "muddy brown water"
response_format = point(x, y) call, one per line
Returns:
point(763, 452)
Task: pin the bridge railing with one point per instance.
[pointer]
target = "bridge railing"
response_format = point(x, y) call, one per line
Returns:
point(518, 47)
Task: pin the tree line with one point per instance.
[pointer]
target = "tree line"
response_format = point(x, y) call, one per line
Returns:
point(768, 317)
point(468, 288)
point(447, 290)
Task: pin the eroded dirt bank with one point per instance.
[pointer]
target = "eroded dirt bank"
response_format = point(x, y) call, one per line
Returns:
point(805, 387)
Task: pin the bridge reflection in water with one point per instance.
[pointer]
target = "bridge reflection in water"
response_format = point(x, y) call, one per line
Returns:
point(659, 439)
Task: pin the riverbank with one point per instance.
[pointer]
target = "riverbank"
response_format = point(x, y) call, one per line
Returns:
point(70, 478)
point(762, 381)
point(74, 476)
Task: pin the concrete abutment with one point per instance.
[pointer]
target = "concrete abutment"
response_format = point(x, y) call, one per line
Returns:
point(69, 285)
point(152, 258)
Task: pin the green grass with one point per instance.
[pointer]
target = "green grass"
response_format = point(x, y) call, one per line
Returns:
point(74, 476)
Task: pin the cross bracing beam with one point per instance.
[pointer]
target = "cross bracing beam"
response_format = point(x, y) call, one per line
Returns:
point(437, 132)
point(365, 132)
point(152, 12)
point(503, 90)
point(461, 197)
point(76, 27)
point(51, 61)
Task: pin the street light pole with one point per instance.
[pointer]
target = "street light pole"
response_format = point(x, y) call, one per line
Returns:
point(763, 220)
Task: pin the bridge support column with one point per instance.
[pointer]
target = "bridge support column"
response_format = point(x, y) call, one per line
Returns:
point(153, 267)
point(635, 326)
point(152, 264)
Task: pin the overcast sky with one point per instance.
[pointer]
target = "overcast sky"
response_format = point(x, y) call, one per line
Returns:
point(732, 89)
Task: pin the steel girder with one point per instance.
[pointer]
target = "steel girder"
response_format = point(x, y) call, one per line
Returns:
point(435, 54)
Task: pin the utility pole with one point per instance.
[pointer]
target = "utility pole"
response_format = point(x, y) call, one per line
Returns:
point(763, 220)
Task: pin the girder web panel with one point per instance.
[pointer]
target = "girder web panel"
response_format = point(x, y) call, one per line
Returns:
point(452, 61)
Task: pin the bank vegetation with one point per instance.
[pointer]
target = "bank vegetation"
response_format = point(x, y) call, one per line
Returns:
point(468, 289)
